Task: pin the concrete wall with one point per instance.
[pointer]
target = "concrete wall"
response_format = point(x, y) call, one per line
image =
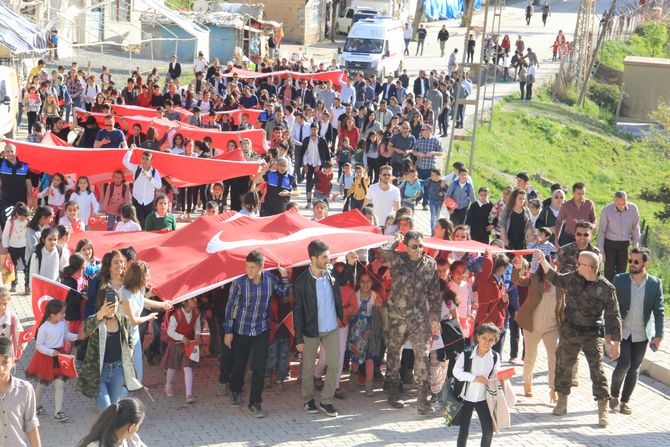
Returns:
point(304, 23)
point(645, 84)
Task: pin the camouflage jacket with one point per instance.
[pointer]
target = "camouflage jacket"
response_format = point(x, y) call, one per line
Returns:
point(415, 287)
point(587, 302)
point(568, 255)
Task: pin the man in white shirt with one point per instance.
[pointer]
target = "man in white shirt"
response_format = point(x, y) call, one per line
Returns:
point(530, 80)
point(384, 196)
point(200, 63)
point(348, 94)
point(338, 110)
point(299, 132)
point(146, 182)
point(315, 153)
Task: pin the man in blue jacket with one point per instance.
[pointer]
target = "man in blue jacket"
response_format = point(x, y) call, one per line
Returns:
point(640, 295)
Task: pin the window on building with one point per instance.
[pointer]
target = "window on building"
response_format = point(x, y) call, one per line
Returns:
point(121, 10)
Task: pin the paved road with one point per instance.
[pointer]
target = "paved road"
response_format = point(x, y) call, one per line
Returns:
point(369, 421)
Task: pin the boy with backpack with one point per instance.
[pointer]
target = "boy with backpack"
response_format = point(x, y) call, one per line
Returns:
point(146, 182)
point(461, 191)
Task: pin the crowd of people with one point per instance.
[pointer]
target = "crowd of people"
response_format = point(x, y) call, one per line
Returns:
point(357, 315)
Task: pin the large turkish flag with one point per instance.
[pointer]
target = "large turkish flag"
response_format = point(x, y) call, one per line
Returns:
point(211, 251)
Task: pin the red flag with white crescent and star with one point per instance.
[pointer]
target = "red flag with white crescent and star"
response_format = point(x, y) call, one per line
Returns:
point(212, 250)
point(67, 367)
point(27, 335)
point(43, 291)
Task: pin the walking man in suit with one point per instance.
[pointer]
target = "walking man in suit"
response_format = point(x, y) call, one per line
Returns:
point(640, 295)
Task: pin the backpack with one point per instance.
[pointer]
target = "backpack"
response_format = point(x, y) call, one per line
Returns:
point(124, 187)
point(460, 388)
point(468, 185)
point(38, 254)
point(138, 171)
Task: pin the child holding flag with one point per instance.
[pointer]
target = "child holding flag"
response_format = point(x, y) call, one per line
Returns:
point(44, 365)
point(183, 331)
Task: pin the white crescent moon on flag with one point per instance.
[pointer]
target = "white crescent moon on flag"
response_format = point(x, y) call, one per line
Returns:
point(43, 300)
point(216, 244)
point(64, 364)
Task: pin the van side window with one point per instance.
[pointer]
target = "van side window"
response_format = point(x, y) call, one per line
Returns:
point(350, 13)
point(3, 90)
point(386, 48)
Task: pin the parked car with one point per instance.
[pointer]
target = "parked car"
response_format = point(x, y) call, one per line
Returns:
point(348, 16)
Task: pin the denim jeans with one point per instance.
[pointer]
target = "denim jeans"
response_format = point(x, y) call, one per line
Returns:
point(111, 220)
point(627, 368)
point(278, 359)
point(111, 387)
point(435, 206)
point(138, 362)
point(68, 112)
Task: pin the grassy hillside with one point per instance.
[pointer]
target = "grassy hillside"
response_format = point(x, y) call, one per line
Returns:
point(649, 40)
point(556, 143)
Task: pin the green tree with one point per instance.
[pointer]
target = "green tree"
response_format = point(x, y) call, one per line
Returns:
point(656, 35)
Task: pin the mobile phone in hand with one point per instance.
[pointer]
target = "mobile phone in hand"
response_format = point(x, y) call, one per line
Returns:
point(110, 295)
point(653, 346)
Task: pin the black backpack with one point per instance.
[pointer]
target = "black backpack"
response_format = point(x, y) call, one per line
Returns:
point(138, 171)
point(124, 187)
point(38, 254)
point(467, 367)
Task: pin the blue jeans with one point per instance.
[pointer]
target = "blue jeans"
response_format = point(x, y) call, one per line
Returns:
point(138, 361)
point(423, 174)
point(278, 359)
point(435, 206)
point(68, 112)
point(111, 387)
point(111, 220)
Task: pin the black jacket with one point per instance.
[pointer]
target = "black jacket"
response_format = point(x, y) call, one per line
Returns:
point(174, 70)
point(324, 152)
point(305, 314)
point(308, 99)
point(417, 85)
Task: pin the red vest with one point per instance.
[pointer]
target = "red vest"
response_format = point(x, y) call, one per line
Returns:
point(184, 327)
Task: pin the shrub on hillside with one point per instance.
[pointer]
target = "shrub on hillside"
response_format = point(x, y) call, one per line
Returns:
point(655, 35)
point(606, 96)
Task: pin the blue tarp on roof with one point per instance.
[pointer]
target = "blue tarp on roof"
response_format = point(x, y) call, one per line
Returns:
point(18, 34)
point(446, 9)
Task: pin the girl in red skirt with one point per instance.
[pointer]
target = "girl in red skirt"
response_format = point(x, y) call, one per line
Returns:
point(44, 366)
point(183, 329)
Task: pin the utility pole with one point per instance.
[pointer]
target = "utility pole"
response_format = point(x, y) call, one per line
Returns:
point(583, 36)
point(605, 25)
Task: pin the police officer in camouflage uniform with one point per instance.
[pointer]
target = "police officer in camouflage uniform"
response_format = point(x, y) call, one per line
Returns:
point(568, 253)
point(588, 298)
point(567, 262)
point(413, 313)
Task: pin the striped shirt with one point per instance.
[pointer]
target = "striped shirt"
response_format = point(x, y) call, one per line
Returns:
point(248, 308)
point(618, 225)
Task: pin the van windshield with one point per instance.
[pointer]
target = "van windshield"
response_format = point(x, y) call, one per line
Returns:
point(360, 45)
